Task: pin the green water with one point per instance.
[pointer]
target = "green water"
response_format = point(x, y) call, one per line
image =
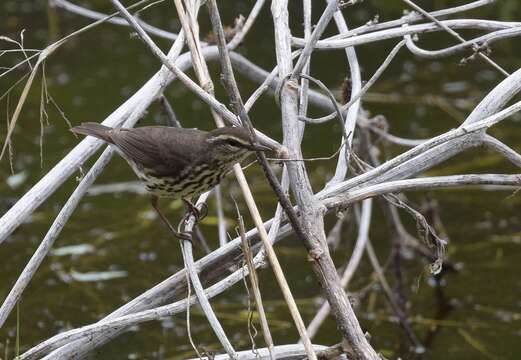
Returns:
point(475, 314)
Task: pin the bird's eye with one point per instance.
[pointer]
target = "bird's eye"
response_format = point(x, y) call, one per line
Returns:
point(235, 143)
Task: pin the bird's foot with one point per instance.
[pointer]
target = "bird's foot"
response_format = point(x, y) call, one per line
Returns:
point(191, 209)
point(184, 235)
point(177, 233)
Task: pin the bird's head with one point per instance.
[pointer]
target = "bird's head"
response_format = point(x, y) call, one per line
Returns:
point(232, 143)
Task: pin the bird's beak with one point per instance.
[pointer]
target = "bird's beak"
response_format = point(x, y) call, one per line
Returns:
point(260, 147)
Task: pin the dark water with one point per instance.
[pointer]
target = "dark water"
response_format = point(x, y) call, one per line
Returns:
point(475, 314)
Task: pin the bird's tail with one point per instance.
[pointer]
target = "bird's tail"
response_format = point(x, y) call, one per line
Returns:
point(94, 129)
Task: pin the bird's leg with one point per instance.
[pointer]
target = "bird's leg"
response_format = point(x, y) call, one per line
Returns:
point(178, 234)
point(193, 210)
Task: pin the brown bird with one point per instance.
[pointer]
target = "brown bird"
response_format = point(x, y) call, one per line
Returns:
point(175, 162)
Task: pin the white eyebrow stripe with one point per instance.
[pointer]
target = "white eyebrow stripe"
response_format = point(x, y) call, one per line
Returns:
point(231, 137)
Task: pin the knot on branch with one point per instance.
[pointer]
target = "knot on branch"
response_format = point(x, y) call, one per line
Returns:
point(292, 84)
point(342, 4)
point(208, 86)
point(348, 350)
point(280, 86)
point(477, 49)
point(315, 254)
point(229, 31)
point(375, 20)
point(322, 209)
point(281, 152)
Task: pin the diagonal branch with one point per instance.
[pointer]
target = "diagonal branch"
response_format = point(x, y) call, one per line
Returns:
point(311, 211)
point(233, 92)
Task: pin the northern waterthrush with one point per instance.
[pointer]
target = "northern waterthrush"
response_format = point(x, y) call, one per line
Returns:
point(176, 162)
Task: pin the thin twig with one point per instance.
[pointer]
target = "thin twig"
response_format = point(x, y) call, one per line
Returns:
point(364, 89)
point(255, 286)
point(233, 92)
point(63, 216)
point(404, 321)
point(320, 27)
point(463, 130)
point(203, 300)
point(116, 20)
point(51, 236)
point(188, 326)
point(189, 83)
point(476, 44)
point(123, 320)
point(421, 183)
point(171, 118)
point(353, 112)
point(456, 35)
point(352, 39)
point(412, 17)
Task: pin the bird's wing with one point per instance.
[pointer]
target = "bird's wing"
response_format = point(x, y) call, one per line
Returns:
point(164, 151)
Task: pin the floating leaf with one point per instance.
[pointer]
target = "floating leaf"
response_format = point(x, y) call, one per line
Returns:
point(97, 275)
point(73, 250)
point(18, 179)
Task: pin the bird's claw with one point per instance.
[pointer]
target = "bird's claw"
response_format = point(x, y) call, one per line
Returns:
point(184, 236)
point(191, 209)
